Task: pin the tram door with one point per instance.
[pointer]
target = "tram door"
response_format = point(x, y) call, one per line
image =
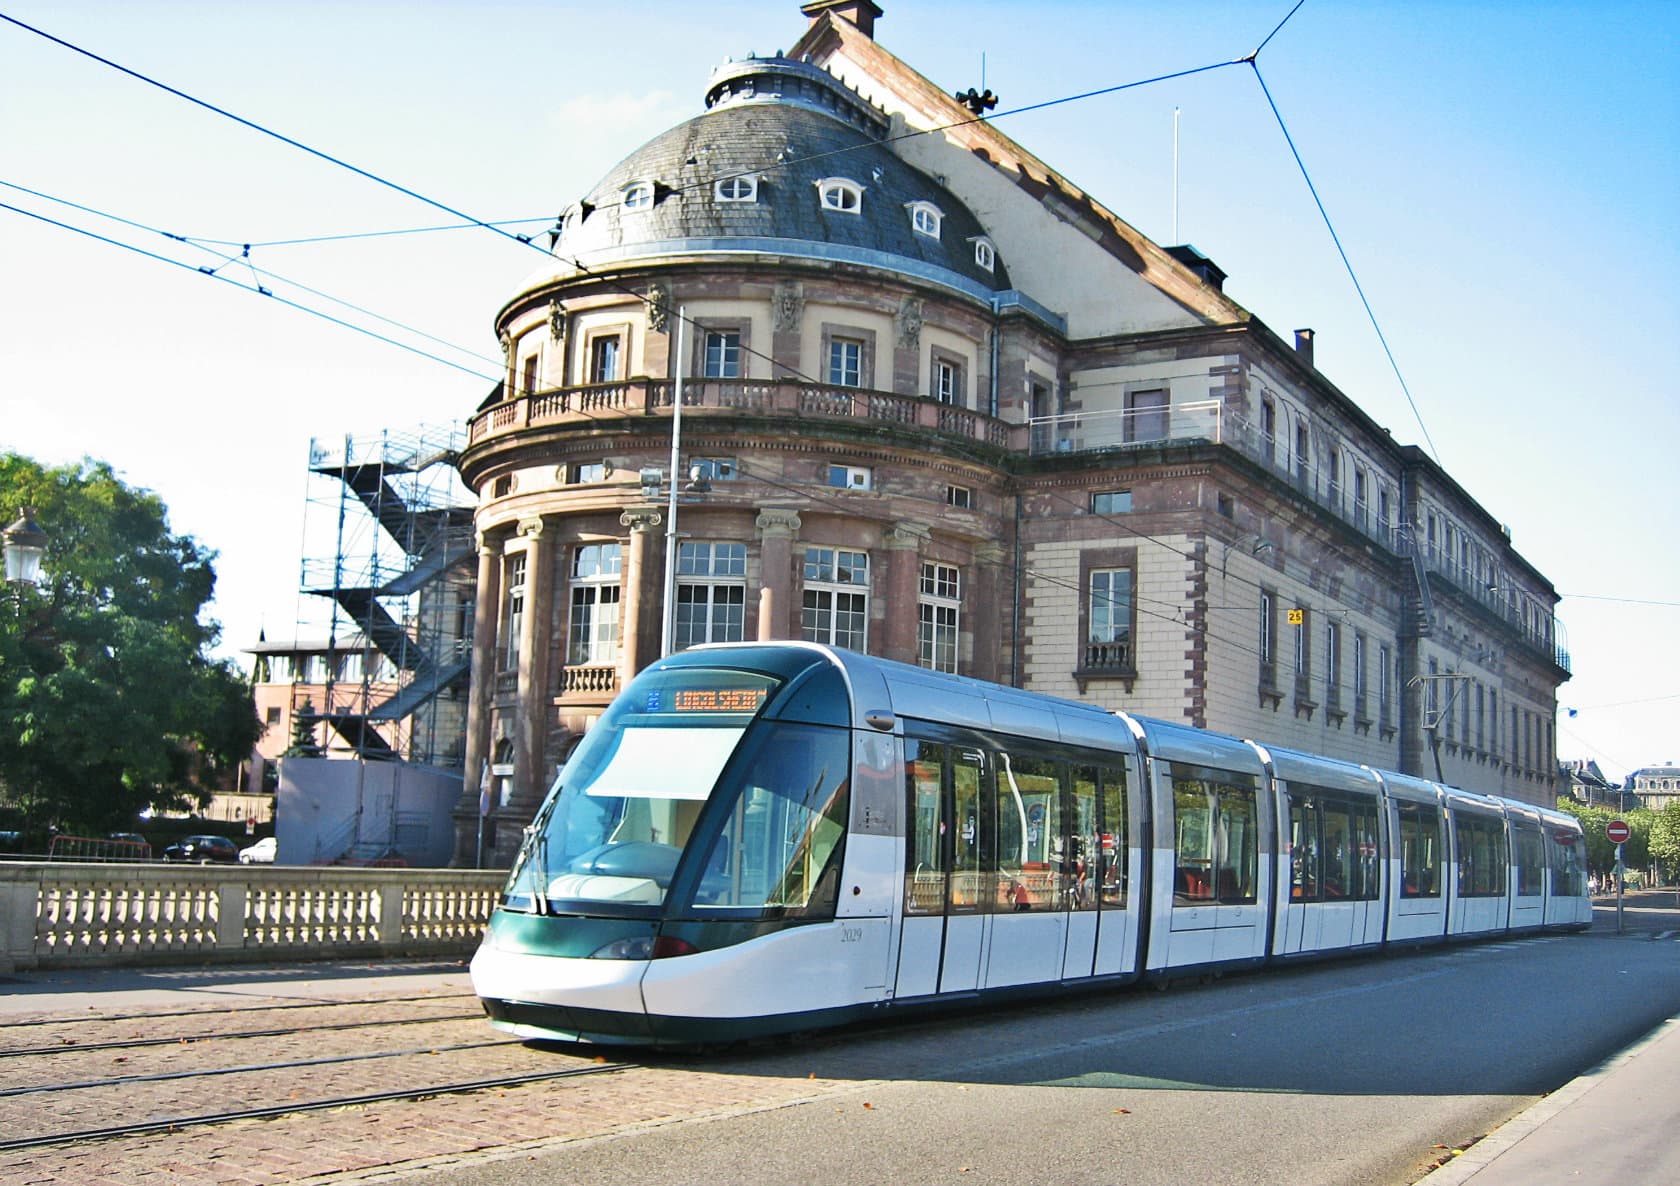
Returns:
point(1016, 870)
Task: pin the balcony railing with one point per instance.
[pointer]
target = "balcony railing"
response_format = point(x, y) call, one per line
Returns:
point(783, 397)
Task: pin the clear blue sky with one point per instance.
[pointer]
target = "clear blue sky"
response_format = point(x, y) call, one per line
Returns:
point(1505, 178)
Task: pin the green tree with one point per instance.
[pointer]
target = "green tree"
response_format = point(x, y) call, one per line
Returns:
point(1665, 841)
point(109, 699)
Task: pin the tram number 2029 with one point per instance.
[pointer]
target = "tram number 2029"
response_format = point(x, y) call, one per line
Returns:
point(851, 934)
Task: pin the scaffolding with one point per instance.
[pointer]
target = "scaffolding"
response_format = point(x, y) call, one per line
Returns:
point(388, 544)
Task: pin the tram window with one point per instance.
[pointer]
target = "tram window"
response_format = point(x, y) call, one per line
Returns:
point(1481, 856)
point(1566, 870)
point(1420, 851)
point(1365, 872)
point(780, 848)
point(924, 778)
point(1216, 836)
point(1097, 822)
point(1304, 852)
point(1114, 843)
point(971, 836)
point(1531, 860)
point(1031, 841)
point(1337, 858)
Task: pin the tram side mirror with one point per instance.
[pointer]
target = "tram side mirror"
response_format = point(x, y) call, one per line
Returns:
point(879, 718)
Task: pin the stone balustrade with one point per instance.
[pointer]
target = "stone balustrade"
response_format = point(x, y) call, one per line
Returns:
point(61, 915)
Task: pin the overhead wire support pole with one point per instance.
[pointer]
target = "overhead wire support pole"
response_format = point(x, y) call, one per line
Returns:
point(667, 622)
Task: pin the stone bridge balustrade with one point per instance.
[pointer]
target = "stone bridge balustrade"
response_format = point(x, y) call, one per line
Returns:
point(62, 915)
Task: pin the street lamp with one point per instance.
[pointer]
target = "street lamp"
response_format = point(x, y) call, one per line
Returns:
point(26, 543)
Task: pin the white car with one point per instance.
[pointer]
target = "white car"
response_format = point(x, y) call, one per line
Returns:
point(260, 853)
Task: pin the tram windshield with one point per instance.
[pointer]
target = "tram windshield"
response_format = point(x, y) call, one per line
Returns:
point(681, 761)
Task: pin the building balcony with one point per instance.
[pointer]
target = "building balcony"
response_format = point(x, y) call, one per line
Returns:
point(772, 398)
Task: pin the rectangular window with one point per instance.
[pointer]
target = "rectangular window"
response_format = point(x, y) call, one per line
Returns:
point(836, 598)
point(1385, 675)
point(1333, 849)
point(1216, 836)
point(1359, 497)
point(1303, 462)
point(1382, 513)
point(959, 496)
point(948, 382)
point(593, 634)
point(1111, 502)
point(1268, 639)
point(1420, 850)
point(603, 360)
point(845, 362)
point(513, 616)
point(273, 717)
point(1110, 618)
point(1268, 429)
point(1027, 805)
point(849, 477)
point(713, 469)
point(587, 471)
point(711, 594)
point(1481, 856)
point(1333, 477)
point(528, 376)
point(1303, 644)
point(1147, 416)
point(937, 616)
point(1361, 709)
point(1333, 665)
point(722, 354)
point(1530, 860)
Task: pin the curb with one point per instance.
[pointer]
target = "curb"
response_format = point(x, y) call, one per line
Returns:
point(1501, 1140)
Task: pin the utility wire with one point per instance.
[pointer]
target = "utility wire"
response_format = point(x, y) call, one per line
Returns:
point(255, 290)
point(1346, 263)
point(244, 258)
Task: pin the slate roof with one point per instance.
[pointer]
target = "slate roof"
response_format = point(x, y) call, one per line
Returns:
point(789, 125)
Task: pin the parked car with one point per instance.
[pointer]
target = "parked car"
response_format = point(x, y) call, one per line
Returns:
point(260, 853)
point(206, 850)
point(131, 845)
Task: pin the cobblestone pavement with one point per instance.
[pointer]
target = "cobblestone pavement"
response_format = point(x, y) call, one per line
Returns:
point(47, 1088)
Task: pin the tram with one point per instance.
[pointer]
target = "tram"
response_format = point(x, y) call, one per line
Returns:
point(760, 838)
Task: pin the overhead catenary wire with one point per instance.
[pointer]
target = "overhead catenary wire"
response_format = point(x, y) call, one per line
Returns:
point(253, 289)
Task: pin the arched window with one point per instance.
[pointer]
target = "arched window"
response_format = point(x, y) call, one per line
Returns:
point(736, 189)
point(638, 196)
point(842, 194)
point(984, 255)
point(925, 218)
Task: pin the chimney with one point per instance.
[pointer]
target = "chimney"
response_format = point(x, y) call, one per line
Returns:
point(862, 13)
point(1304, 345)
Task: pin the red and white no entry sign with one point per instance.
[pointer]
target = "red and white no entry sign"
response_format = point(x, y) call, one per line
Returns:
point(1618, 831)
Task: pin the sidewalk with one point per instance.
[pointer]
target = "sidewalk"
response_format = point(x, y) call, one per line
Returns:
point(1614, 1125)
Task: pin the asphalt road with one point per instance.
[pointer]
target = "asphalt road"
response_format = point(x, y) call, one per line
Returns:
point(1339, 1073)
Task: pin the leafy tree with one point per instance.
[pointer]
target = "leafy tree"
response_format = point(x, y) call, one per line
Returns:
point(109, 700)
point(1665, 841)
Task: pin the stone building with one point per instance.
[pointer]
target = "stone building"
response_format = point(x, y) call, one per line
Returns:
point(939, 404)
point(1656, 787)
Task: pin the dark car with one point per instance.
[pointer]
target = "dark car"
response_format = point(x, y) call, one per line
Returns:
point(205, 850)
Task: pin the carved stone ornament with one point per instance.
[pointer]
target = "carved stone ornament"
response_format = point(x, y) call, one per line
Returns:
point(556, 321)
point(777, 521)
point(910, 323)
point(789, 305)
point(659, 307)
point(507, 345)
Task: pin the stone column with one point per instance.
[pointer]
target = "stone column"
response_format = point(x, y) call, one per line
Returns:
point(481, 690)
point(778, 527)
point(899, 616)
point(638, 637)
point(530, 739)
point(989, 613)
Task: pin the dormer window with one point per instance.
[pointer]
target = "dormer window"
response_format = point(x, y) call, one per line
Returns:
point(925, 218)
point(638, 196)
point(984, 256)
point(842, 194)
point(736, 189)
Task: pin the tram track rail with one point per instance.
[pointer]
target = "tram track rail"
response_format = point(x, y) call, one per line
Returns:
point(211, 1010)
point(207, 1119)
point(63, 1046)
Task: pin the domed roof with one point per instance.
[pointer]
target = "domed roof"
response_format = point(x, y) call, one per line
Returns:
point(786, 160)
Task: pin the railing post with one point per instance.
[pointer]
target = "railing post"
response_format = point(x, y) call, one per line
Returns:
point(230, 916)
point(391, 914)
point(18, 905)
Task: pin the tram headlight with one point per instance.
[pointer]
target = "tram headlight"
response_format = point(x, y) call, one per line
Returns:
point(644, 947)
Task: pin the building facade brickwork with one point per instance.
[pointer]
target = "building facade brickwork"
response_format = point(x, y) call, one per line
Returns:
point(937, 403)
